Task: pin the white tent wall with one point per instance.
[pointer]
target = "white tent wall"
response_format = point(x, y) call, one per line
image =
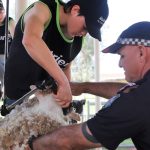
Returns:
point(20, 6)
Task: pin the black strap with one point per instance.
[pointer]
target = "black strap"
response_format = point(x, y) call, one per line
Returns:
point(87, 135)
point(31, 140)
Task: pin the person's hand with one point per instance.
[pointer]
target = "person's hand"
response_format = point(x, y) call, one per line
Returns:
point(27, 148)
point(76, 88)
point(64, 95)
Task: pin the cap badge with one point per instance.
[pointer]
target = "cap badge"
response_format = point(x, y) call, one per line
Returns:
point(101, 20)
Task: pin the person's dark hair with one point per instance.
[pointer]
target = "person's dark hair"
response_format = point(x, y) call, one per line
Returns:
point(95, 13)
point(1, 5)
point(67, 6)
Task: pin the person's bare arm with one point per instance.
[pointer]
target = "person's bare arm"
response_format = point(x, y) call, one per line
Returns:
point(67, 71)
point(65, 138)
point(34, 21)
point(11, 27)
point(103, 89)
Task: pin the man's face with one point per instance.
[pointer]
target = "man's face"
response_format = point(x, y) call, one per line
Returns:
point(130, 61)
point(76, 25)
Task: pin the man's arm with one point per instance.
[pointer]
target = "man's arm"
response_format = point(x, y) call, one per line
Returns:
point(11, 27)
point(103, 89)
point(65, 138)
point(67, 71)
point(34, 24)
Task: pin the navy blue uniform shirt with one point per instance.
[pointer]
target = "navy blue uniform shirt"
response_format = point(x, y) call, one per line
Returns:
point(126, 115)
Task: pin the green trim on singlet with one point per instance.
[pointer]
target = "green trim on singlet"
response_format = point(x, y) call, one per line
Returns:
point(58, 24)
point(22, 17)
point(46, 25)
point(83, 39)
point(9, 22)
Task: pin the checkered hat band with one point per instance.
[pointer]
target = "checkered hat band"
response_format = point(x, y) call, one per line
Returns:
point(133, 41)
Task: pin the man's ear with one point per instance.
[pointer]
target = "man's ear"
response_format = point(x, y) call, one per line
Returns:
point(75, 10)
point(142, 53)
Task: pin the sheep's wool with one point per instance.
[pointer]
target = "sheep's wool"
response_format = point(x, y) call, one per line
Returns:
point(36, 116)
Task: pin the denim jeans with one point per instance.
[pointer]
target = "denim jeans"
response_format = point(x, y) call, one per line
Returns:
point(9, 101)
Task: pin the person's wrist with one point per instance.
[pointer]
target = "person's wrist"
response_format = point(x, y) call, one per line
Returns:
point(30, 141)
point(63, 81)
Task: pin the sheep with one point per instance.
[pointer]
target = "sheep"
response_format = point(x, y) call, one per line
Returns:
point(36, 116)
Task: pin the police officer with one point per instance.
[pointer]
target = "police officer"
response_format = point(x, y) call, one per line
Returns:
point(125, 115)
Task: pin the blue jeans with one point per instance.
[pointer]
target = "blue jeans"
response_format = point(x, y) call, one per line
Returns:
point(9, 101)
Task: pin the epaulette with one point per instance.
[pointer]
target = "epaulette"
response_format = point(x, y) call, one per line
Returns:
point(128, 88)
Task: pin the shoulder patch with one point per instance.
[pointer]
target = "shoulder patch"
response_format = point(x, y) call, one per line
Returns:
point(110, 101)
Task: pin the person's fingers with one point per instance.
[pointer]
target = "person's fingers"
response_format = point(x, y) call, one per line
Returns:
point(63, 104)
point(64, 94)
point(27, 148)
point(58, 100)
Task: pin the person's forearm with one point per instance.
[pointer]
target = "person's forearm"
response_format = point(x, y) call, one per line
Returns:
point(103, 89)
point(12, 27)
point(65, 138)
point(67, 71)
point(42, 55)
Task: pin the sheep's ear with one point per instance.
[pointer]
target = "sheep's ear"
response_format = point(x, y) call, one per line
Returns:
point(32, 87)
